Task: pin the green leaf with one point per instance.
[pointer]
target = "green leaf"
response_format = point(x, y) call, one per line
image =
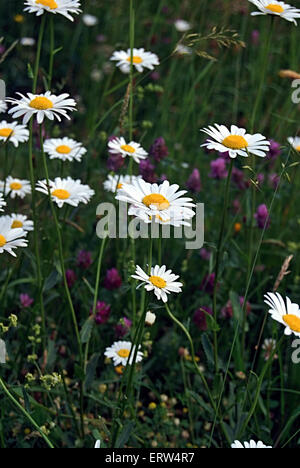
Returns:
point(125, 434)
point(91, 370)
point(208, 349)
point(51, 280)
point(86, 330)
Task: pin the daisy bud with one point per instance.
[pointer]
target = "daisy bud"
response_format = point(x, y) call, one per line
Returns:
point(150, 318)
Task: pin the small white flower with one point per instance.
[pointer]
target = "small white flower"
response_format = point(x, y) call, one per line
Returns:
point(182, 25)
point(15, 132)
point(90, 20)
point(16, 187)
point(162, 203)
point(161, 281)
point(42, 105)
point(65, 149)
point(269, 345)
point(183, 50)
point(235, 141)
point(150, 318)
point(67, 190)
point(115, 182)
point(251, 444)
point(273, 7)
point(3, 106)
point(62, 7)
point(294, 142)
point(2, 201)
point(27, 41)
point(286, 313)
point(10, 238)
point(119, 352)
point(18, 221)
point(132, 149)
point(140, 59)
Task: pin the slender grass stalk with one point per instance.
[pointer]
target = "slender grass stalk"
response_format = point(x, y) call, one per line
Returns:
point(99, 264)
point(218, 259)
point(38, 54)
point(198, 370)
point(51, 58)
point(63, 270)
point(131, 42)
point(25, 413)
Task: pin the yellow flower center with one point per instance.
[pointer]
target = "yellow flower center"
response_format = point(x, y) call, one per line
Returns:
point(41, 103)
point(298, 148)
point(119, 186)
point(158, 282)
point(124, 353)
point(63, 149)
point(135, 59)
point(6, 132)
point(2, 241)
point(15, 186)
point(156, 199)
point(48, 3)
point(275, 8)
point(235, 142)
point(128, 148)
point(19, 18)
point(16, 224)
point(61, 194)
point(293, 322)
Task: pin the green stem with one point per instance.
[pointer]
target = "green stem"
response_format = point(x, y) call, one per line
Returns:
point(96, 291)
point(51, 59)
point(218, 258)
point(62, 265)
point(198, 370)
point(27, 415)
point(38, 54)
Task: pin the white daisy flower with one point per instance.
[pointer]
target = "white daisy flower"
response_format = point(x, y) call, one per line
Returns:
point(132, 149)
point(2, 202)
point(119, 353)
point(67, 190)
point(140, 59)
point(288, 314)
point(294, 142)
point(62, 7)
point(10, 238)
point(65, 149)
point(251, 444)
point(235, 141)
point(42, 105)
point(16, 187)
point(18, 221)
point(3, 106)
point(115, 182)
point(15, 132)
point(161, 281)
point(90, 20)
point(273, 7)
point(182, 25)
point(162, 203)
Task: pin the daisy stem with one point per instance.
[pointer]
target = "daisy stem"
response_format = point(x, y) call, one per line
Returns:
point(218, 259)
point(131, 42)
point(51, 59)
point(38, 54)
point(198, 370)
point(26, 414)
point(5, 168)
point(63, 271)
point(96, 291)
point(35, 235)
